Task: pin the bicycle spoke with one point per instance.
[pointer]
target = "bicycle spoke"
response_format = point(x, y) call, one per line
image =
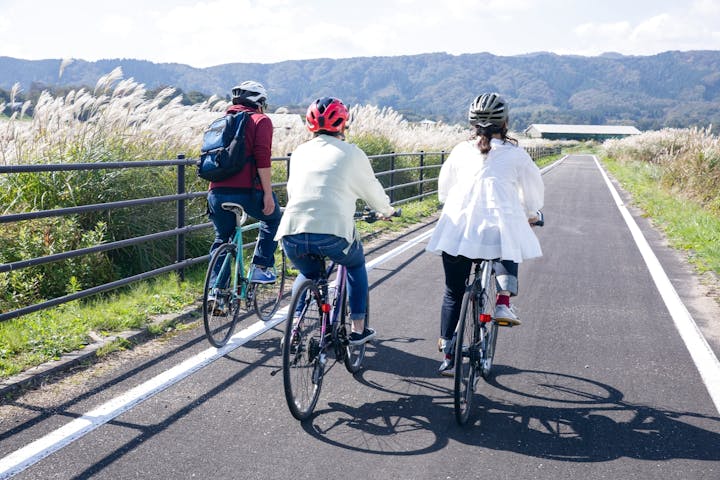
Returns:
point(220, 306)
point(465, 358)
point(266, 297)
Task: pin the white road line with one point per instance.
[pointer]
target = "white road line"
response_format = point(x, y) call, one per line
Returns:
point(32, 453)
point(701, 353)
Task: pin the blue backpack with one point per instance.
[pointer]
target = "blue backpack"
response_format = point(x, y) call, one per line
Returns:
point(222, 154)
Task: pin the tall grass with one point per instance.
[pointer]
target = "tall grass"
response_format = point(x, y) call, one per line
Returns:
point(118, 121)
point(688, 161)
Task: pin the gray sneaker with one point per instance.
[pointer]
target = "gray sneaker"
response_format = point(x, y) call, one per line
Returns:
point(447, 367)
point(505, 317)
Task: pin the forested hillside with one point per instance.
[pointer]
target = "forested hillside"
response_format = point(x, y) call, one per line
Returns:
point(677, 89)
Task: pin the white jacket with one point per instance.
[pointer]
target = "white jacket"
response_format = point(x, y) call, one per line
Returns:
point(327, 176)
point(487, 202)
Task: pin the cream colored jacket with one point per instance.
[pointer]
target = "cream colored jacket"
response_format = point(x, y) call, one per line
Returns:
point(327, 176)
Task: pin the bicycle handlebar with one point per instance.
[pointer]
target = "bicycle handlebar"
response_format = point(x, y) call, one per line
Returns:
point(540, 222)
point(371, 216)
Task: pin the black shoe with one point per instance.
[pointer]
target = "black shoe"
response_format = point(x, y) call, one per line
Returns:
point(360, 338)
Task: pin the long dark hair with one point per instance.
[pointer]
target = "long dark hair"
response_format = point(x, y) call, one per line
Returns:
point(484, 134)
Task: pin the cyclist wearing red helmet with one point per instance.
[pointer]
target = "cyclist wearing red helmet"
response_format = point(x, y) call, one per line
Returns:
point(327, 176)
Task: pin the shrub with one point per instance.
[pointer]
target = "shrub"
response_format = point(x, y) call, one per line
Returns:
point(38, 238)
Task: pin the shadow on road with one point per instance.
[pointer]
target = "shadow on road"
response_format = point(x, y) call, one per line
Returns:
point(536, 413)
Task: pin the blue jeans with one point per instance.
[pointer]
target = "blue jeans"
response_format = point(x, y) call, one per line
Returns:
point(252, 202)
point(299, 249)
point(457, 272)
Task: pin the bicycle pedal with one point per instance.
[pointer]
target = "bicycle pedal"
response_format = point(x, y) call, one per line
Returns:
point(503, 323)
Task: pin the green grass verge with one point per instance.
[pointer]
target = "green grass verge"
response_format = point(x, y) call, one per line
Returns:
point(38, 337)
point(686, 224)
point(42, 336)
point(46, 335)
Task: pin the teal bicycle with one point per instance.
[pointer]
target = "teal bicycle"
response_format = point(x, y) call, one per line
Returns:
point(228, 290)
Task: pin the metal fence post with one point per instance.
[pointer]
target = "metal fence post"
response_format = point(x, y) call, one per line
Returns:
point(421, 185)
point(392, 177)
point(180, 239)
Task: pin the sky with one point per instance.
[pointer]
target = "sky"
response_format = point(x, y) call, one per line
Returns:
point(214, 32)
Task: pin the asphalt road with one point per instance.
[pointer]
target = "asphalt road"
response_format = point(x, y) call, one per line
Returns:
point(597, 383)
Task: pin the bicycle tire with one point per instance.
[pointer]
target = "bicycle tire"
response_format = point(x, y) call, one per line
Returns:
point(466, 354)
point(302, 369)
point(267, 296)
point(220, 308)
point(488, 299)
point(353, 355)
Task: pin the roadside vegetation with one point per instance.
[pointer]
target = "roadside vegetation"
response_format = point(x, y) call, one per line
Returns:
point(119, 121)
point(674, 177)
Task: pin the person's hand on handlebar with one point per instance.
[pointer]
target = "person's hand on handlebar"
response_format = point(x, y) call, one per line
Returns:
point(396, 213)
point(537, 220)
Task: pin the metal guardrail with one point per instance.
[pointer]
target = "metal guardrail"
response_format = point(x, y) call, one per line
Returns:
point(179, 232)
point(399, 193)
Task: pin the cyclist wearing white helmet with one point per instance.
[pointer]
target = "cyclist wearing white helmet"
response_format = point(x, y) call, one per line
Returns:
point(491, 190)
point(251, 187)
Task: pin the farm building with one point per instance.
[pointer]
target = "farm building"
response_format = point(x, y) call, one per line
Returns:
point(288, 121)
point(579, 132)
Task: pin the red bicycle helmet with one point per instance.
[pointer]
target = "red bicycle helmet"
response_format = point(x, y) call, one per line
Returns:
point(326, 114)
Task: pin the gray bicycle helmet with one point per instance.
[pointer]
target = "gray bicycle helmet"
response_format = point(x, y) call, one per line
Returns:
point(249, 92)
point(487, 110)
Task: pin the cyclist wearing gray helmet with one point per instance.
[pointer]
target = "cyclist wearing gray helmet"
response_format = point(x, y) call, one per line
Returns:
point(491, 191)
point(251, 187)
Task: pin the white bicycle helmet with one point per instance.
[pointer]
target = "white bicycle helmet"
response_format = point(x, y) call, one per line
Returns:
point(249, 91)
point(487, 110)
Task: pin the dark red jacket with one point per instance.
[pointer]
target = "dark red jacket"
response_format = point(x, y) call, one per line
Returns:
point(258, 144)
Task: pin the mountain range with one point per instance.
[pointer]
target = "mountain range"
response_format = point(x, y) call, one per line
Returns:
point(670, 89)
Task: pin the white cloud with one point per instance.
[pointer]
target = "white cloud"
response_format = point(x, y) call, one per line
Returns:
point(602, 31)
point(211, 32)
point(116, 24)
point(705, 7)
point(657, 27)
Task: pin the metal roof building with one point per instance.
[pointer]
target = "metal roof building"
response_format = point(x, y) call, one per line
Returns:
point(579, 132)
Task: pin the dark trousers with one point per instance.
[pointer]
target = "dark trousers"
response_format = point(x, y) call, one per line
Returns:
point(457, 272)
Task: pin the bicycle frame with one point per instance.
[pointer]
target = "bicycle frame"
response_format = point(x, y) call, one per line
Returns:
point(242, 277)
point(331, 311)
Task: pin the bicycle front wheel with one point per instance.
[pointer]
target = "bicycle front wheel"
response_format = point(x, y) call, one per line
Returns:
point(220, 305)
point(267, 296)
point(302, 367)
point(466, 353)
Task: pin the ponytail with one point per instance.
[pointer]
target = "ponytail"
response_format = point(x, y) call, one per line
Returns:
point(485, 134)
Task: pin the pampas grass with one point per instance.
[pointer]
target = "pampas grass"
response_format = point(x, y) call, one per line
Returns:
point(688, 161)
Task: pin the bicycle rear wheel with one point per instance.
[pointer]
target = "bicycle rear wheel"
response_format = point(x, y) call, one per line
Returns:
point(466, 355)
point(267, 296)
point(302, 369)
point(488, 299)
point(354, 355)
point(220, 305)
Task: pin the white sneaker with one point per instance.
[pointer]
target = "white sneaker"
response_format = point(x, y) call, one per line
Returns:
point(505, 317)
